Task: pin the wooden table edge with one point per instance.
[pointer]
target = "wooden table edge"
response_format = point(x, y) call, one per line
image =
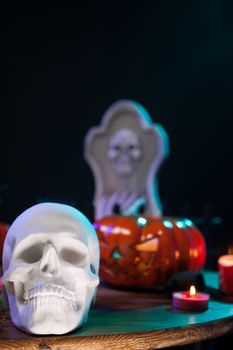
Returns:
point(146, 340)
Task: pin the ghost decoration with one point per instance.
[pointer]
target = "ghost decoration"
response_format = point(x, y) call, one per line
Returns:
point(124, 153)
point(50, 269)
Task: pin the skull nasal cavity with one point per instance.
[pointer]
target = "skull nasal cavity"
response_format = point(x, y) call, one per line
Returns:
point(50, 263)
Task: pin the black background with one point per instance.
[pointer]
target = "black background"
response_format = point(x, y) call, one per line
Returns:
point(63, 64)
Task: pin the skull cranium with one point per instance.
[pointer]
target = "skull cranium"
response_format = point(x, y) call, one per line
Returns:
point(50, 265)
point(124, 151)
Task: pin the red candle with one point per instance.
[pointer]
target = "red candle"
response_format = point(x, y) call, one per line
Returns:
point(225, 269)
point(190, 300)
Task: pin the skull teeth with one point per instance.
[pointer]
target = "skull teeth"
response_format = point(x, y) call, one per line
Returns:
point(47, 303)
point(49, 290)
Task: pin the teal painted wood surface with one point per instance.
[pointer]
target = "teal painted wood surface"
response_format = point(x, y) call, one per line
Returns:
point(161, 317)
point(155, 318)
point(150, 319)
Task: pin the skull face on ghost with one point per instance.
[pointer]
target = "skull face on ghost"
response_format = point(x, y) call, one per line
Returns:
point(124, 152)
point(50, 266)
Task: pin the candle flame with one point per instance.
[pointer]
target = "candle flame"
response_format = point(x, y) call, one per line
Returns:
point(230, 249)
point(192, 291)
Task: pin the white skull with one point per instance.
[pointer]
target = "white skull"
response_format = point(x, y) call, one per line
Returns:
point(50, 266)
point(124, 152)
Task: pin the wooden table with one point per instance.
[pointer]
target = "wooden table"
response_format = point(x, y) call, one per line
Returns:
point(132, 320)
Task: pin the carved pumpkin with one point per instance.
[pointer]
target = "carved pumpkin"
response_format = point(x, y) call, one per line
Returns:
point(140, 251)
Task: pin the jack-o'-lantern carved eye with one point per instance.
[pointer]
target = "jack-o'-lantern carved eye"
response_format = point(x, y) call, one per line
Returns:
point(150, 245)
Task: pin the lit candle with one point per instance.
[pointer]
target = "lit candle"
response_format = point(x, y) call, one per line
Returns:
point(225, 269)
point(190, 300)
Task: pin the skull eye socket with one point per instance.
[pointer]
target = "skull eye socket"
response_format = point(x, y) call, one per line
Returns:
point(131, 147)
point(31, 254)
point(73, 256)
